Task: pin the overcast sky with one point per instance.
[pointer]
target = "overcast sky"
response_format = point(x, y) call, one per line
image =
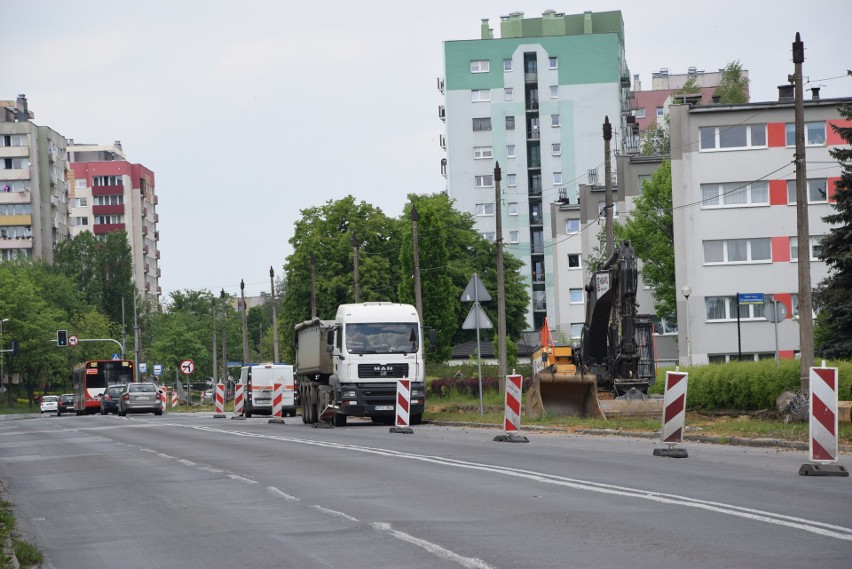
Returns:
point(251, 111)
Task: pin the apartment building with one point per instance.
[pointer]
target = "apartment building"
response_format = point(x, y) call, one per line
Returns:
point(531, 101)
point(735, 229)
point(33, 162)
point(107, 193)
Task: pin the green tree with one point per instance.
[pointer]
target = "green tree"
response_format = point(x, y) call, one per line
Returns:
point(833, 297)
point(325, 234)
point(733, 85)
point(650, 228)
point(656, 139)
point(690, 87)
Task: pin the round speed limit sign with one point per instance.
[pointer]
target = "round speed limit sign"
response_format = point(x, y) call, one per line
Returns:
point(187, 367)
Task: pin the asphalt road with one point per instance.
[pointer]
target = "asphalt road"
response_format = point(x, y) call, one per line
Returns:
point(189, 490)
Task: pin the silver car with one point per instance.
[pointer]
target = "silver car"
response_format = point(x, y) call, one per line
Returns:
point(140, 398)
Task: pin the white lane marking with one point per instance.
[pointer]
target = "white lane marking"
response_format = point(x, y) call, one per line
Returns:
point(210, 469)
point(335, 513)
point(276, 492)
point(812, 526)
point(433, 548)
point(186, 462)
point(241, 479)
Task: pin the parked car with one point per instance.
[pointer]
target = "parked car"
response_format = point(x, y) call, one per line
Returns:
point(109, 399)
point(140, 398)
point(66, 403)
point(49, 403)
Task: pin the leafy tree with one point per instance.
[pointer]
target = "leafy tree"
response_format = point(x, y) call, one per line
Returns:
point(656, 139)
point(690, 87)
point(650, 228)
point(733, 85)
point(833, 297)
point(326, 234)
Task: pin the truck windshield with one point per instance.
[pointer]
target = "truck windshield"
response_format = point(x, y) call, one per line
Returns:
point(381, 338)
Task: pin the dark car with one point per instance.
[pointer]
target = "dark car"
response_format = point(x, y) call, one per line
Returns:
point(140, 398)
point(66, 404)
point(109, 399)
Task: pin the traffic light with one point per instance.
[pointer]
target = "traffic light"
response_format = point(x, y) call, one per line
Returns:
point(62, 337)
point(16, 347)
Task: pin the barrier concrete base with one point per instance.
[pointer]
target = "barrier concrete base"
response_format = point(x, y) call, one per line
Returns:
point(815, 469)
point(277, 420)
point(238, 418)
point(511, 438)
point(402, 430)
point(218, 415)
point(671, 452)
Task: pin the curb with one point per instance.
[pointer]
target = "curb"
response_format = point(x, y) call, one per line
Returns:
point(9, 553)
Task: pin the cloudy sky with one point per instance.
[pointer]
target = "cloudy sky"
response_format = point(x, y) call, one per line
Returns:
point(251, 111)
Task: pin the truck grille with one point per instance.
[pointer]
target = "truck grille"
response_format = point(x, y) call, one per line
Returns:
point(367, 371)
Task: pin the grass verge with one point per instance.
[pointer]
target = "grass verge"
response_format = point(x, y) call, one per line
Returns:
point(27, 554)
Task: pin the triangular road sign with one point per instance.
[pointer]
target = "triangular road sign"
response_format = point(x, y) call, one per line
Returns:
point(477, 318)
point(475, 291)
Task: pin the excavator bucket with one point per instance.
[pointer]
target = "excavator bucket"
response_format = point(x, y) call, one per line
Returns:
point(572, 395)
point(634, 403)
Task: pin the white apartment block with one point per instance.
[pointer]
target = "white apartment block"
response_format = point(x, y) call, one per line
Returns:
point(734, 200)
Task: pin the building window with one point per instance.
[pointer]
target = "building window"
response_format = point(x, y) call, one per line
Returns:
point(557, 178)
point(513, 208)
point(720, 308)
point(730, 251)
point(485, 181)
point(80, 184)
point(482, 124)
point(661, 111)
point(576, 330)
point(480, 152)
point(480, 95)
point(814, 133)
point(572, 226)
point(732, 137)
point(106, 181)
point(815, 241)
point(512, 180)
point(108, 219)
point(554, 120)
point(484, 209)
point(513, 237)
point(575, 296)
point(510, 123)
point(479, 66)
point(817, 191)
point(79, 220)
point(639, 113)
point(507, 65)
point(735, 194)
point(81, 202)
point(510, 151)
point(552, 63)
point(108, 200)
point(574, 261)
point(554, 91)
point(508, 94)
point(556, 149)
point(488, 236)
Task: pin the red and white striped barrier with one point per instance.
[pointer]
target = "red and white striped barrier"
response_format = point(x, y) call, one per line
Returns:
point(512, 414)
point(512, 411)
point(238, 399)
point(220, 398)
point(674, 414)
point(823, 399)
point(278, 400)
point(162, 392)
point(174, 399)
point(403, 402)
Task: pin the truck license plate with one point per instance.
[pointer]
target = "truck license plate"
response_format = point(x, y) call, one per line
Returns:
point(384, 407)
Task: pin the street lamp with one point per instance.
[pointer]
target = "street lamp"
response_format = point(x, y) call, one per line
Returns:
point(686, 290)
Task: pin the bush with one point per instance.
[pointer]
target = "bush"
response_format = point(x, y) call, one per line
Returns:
point(748, 385)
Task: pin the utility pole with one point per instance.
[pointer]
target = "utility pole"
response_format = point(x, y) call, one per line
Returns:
point(501, 287)
point(806, 320)
point(224, 339)
point(245, 322)
point(275, 353)
point(418, 294)
point(355, 267)
point(215, 346)
point(610, 237)
point(313, 286)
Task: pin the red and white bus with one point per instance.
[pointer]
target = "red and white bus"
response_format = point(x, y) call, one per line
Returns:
point(92, 378)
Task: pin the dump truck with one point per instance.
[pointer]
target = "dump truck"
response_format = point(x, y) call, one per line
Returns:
point(350, 366)
point(611, 369)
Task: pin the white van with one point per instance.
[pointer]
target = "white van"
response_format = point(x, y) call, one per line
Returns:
point(262, 379)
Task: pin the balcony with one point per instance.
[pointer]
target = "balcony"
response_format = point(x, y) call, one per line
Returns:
point(156, 236)
point(442, 113)
point(533, 134)
point(102, 228)
point(441, 85)
point(532, 106)
point(115, 190)
point(108, 209)
point(535, 219)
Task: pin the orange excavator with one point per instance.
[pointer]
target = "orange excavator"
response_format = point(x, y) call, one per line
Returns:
point(609, 373)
